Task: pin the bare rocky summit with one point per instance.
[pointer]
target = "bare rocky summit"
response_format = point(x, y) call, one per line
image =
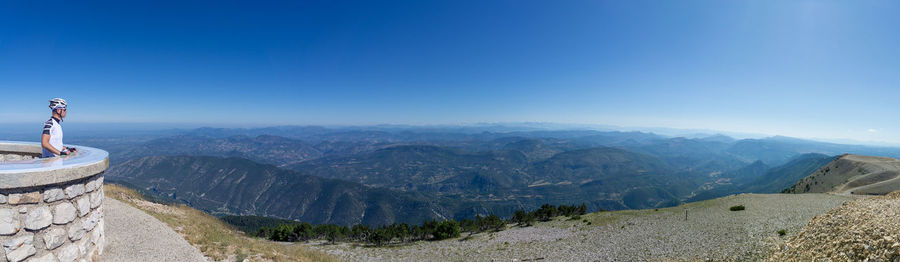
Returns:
point(860, 230)
point(853, 174)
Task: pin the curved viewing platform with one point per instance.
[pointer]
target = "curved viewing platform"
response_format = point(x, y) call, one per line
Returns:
point(51, 208)
point(21, 165)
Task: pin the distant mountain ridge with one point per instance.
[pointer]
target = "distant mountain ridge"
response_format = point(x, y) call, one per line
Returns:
point(302, 143)
point(264, 148)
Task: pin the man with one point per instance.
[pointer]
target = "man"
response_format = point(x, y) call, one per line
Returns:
point(52, 137)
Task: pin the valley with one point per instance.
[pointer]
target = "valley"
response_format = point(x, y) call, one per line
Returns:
point(381, 176)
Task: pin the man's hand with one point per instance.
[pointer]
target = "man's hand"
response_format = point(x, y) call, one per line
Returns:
point(67, 151)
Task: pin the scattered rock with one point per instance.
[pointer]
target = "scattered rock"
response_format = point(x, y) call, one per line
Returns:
point(713, 233)
point(864, 229)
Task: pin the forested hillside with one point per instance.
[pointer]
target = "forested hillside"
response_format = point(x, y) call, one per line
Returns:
point(239, 186)
point(457, 172)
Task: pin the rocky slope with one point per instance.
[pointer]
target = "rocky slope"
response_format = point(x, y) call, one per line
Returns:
point(711, 232)
point(861, 230)
point(853, 174)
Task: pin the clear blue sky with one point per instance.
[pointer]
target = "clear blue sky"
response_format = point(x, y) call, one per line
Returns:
point(824, 69)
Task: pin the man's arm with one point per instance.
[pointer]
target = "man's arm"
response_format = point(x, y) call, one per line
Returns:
point(45, 142)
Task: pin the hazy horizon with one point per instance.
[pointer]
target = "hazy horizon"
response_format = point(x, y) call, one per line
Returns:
point(806, 69)
point(24, 129)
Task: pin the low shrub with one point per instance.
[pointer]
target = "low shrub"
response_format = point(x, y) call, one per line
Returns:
point(737, 208)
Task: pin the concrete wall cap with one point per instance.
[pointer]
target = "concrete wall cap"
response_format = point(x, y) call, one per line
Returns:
point(48, 171)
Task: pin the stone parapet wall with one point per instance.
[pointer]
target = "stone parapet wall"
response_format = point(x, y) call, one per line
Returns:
point(59, 221)
point(54, 223)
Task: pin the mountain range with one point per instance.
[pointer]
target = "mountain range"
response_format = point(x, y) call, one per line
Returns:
point(431, 172)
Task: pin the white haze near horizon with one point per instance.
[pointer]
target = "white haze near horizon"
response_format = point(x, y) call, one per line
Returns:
point(23, 130)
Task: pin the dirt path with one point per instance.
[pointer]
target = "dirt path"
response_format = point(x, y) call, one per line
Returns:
point(132, 235)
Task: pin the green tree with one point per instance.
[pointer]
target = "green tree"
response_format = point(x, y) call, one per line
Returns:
point(334, 234)
point(492, 222)
point(404, 231)
point(359, 232)
point(446, 229)
point(428, 228)
point(379, 236)
point(468, 225)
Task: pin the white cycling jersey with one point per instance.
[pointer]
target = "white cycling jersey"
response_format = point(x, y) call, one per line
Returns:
point(54, 129)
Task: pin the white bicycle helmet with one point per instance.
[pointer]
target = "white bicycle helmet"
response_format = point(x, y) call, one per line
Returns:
point(57, 103)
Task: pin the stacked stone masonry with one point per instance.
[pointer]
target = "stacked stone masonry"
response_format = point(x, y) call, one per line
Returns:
point(61, 222)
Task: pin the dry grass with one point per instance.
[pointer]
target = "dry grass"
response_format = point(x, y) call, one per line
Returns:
point(216, 239)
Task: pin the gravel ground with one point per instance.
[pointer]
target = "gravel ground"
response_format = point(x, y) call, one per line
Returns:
point(861, 230)
point(711, 232)
point(132, 235)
